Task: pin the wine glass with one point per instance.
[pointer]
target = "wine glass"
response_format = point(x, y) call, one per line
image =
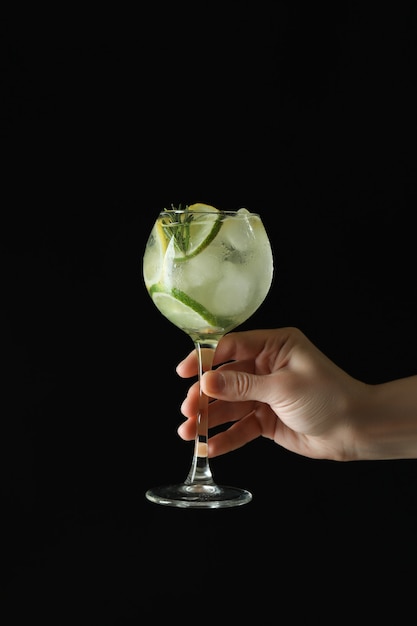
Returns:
point(207, 271)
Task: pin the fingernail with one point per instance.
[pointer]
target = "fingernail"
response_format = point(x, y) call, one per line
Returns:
point(217, 381)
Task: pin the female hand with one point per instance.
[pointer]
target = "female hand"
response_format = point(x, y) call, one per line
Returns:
point(275, 384)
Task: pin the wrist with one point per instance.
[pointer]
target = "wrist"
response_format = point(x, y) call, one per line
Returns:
point(384, 420)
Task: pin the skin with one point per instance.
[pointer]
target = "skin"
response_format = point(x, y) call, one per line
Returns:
point(276, 383)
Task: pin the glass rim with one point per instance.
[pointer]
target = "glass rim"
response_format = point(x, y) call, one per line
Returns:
point(208, 212)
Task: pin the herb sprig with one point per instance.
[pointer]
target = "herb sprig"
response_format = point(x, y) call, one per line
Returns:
point(177, 222)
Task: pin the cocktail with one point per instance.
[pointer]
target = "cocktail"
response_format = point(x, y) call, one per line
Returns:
point(207, 271)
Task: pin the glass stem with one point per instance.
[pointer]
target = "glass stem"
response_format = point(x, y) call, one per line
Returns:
point(200, 472)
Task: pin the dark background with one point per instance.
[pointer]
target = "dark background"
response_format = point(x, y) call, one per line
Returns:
point(303, 113)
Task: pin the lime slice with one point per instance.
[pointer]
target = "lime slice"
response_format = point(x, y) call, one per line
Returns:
point(182, 310)
point(156, 248)
point(194, 231)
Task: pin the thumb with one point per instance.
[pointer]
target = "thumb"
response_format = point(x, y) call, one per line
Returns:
point(230, 385)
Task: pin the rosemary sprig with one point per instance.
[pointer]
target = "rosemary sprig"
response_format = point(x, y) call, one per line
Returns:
point(177, 224)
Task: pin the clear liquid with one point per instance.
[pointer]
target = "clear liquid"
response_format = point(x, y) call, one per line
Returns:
point(217, 289)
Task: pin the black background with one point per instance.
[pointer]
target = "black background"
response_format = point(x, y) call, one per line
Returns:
point(303, 113)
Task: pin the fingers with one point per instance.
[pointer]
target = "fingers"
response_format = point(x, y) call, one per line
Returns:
point(238, 435)
point(242, 431)
point(226, 384)
point(189, 366)
point(187, 430)
point(261, 347)
point(239, 345)
point(219, 412)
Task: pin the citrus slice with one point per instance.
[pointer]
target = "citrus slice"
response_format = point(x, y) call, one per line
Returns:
point(156, 248)
point(201, 207)
point(182, 310)
point(194, 230)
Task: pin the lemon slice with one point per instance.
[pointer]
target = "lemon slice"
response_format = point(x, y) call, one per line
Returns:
point(194, 230)
point(200, 207)
point(156, 248)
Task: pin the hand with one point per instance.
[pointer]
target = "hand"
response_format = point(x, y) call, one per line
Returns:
point(275, 384)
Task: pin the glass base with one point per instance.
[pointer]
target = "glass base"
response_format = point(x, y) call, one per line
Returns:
point(199, 496)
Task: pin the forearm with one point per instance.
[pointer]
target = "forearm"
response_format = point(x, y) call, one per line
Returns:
point(385, 420)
